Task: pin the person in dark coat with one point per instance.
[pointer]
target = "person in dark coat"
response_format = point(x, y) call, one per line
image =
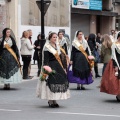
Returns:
point(98, 39)
point(38, 53)
point(93, 48)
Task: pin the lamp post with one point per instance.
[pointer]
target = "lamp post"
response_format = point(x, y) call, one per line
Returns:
point(43, 6)
point(42, 20)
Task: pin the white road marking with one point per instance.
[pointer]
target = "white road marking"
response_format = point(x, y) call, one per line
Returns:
point(8, 110)
point(85, 114)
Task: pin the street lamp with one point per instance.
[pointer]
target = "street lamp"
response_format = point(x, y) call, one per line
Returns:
point(43, 7)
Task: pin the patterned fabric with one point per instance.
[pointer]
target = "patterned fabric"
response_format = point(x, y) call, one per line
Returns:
point(8, 65)
point(44, 92)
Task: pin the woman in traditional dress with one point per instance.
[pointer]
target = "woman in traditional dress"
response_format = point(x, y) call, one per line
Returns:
point(9, 60)
point(111, 76)
point(55, 87)
point(62, 41)
point(80, 62)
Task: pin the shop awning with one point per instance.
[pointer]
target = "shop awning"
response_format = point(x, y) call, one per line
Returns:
point(93, 12)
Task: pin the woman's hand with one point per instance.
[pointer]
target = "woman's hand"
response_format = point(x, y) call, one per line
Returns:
point(38, 47)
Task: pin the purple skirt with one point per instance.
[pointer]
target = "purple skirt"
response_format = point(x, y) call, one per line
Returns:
point(73, 79)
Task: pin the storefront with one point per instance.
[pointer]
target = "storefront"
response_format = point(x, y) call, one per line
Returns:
point(90, 18)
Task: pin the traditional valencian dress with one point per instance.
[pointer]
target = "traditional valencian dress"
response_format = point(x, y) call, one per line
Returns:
point(63, 44)
point(81, 65)
point(56, 85)
point(110, 80)
point(9, 64)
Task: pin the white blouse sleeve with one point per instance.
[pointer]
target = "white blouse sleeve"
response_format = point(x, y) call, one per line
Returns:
point(29, 45)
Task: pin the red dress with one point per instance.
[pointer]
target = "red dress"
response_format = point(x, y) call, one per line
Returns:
point(110, 83)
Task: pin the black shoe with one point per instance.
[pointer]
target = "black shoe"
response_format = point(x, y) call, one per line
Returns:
point(51, 105)
point(82, 88)
point(6, 87)
point(97, 76)
point(56, 105)
point(78, 88)
point(118, 100)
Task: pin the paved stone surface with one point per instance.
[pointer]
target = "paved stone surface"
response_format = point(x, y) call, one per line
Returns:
point(20, 103)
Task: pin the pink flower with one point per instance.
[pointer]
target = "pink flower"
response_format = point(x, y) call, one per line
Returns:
point(47, 68)
point(91, 57)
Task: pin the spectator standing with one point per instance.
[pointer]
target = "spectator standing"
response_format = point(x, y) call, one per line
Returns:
point(26, 53)
point(38, 53)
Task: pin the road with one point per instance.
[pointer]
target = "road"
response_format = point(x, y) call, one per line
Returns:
point(21, 103)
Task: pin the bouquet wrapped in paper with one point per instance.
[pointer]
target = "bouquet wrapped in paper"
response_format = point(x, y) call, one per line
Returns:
point(45, 72)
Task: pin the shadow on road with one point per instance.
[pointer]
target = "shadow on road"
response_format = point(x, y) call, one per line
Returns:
point(111, 101)
point(11, 89)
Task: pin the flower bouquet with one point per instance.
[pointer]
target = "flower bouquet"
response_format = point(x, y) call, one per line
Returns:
point(91, 60)
point(45, 72)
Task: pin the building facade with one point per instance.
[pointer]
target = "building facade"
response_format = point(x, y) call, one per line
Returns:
point(96, 21)
point(21, 15)
point(8, 15)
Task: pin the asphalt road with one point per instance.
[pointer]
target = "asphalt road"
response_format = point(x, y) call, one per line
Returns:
point(21, 103)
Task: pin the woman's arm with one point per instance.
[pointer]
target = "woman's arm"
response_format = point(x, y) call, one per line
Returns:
point(72, 53)
point(30, 47)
